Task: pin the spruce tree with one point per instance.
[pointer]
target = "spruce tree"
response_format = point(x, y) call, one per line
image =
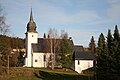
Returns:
point(116, 34)
point(92, 45)
point(66, 52)
point(101, 58)
point(109, 56)
point(116, 54)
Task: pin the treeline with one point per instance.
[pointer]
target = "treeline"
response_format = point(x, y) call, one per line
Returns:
point(7, 44)
point(13, 42)
point(108, 56)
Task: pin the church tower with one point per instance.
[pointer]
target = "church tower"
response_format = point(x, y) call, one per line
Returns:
point(31, 37)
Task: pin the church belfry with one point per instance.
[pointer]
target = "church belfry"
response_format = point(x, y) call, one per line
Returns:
point(31, 38)
point(31, 26)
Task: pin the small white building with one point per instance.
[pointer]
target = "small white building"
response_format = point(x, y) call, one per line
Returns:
point(82, 59)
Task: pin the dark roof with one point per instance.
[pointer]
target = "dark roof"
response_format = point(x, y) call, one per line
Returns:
point(36, 48)
point(78, 48)
point(44, 45)
point(84, 56)
point(41, 46)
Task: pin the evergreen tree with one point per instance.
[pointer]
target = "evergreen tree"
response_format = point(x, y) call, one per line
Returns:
point(101, 58)
point(116, 34)
point(116, 54)
point(109, 56)
point(65, 52)
point(92, 45)
point(109, 41)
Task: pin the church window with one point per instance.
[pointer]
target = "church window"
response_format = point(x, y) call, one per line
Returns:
point(32, 36)
point(35, 60)
point(44, 57)
point(78, 62)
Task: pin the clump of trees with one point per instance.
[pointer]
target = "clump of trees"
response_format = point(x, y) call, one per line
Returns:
point(61, 48)
point(7, 44)
point(108, 56)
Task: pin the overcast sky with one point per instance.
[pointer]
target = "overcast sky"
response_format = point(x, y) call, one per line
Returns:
point(80, 18)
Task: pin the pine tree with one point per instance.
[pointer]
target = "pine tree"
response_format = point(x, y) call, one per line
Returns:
point(101, 58)
point(109, 41)
point(116, 34)
point(92, 45)
point(65, 53)
point(109, 55)
point(116, 53)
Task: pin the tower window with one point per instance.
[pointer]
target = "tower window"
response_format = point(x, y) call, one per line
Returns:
point(78, 62)
point(32, 36)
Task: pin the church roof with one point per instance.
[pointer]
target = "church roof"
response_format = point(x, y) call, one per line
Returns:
point(36, 48)
point(40, 46)
point(44, 45)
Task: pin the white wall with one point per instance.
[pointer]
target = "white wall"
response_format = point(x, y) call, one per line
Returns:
point(31, 37)
point(83, 64)
point(40, 59)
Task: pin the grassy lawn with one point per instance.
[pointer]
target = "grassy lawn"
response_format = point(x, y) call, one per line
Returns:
point(60, 76)
point(48, 74)
point(25, 78)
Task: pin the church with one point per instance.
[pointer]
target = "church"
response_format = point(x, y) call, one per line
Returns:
point(35, 52)
point(41, 52)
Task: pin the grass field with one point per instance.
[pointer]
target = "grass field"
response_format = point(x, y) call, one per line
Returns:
point(59, 76)
point(48, 74)
point(24, 78)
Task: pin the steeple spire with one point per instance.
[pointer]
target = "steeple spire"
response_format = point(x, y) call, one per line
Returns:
point(31, 26)
point(31, 16)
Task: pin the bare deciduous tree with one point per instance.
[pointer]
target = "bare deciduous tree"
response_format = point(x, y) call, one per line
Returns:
point(4, 28)
point(52, 42)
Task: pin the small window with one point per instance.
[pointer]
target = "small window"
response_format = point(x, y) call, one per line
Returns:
point(32, 36)
point(35, 60)
point(78, 62)
point(44, 57)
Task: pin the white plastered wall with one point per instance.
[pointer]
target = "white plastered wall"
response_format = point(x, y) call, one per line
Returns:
point(31, 37)
point(83, 64)
point(38, 59)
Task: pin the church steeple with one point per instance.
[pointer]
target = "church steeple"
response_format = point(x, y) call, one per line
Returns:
point(31, 26)
point(31, 16)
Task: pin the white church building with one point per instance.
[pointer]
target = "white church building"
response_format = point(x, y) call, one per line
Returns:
point(35, 56)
